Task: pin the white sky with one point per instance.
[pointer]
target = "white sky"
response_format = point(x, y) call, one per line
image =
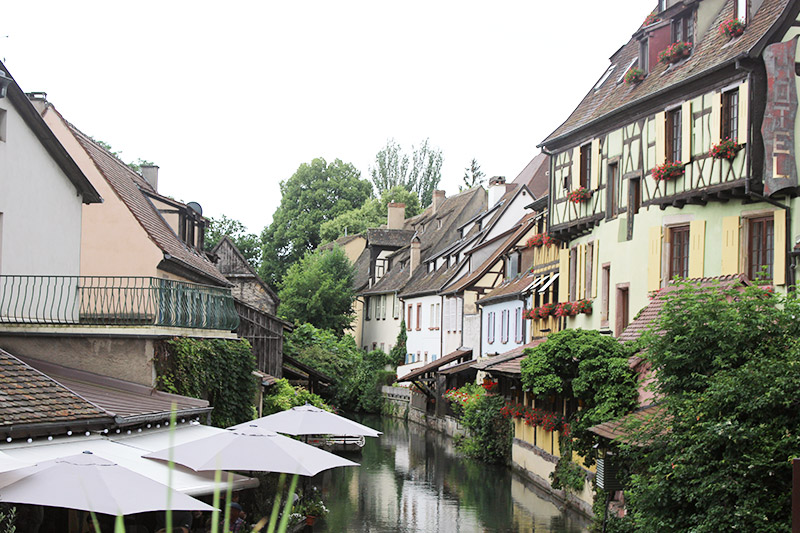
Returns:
point(229, 98)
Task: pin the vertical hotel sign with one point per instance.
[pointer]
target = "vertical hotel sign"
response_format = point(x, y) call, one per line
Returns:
point(780, 170)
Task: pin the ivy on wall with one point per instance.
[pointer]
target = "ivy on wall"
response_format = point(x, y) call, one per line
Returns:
point(216, 370)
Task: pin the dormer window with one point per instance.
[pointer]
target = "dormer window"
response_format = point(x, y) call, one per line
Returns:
point(741, 10)
point(683, 28)
point(644, 56)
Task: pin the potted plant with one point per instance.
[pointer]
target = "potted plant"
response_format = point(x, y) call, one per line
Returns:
point(675, 52)
point(312, 509)
point(668, 171)
point(546, 310)
point(634, 75)
point(725, 149)
point(537, 240)
point(584, 306)
point(549, 241)
point(652, 18)
point(731, 28)
point(581, 194)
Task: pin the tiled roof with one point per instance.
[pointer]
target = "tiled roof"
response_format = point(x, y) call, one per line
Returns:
point(394, 280)
point(429, 282)
point(28, 396)
point(389, 237)
point(711, 52)
point(430, 367)
point(522, 227)
point(239, 265)
point(129, 186)
point(617, 429)
point(535, 176)
point(649, 314)
point(130, 402)
point(508, 362)
point(361, 266)
point(511, 288)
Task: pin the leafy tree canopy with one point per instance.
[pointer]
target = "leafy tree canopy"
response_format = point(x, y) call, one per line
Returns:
point(370, 215)
point(317, 192)
point(718, 456)
point(473, 175)
point(247, 243)
point(318, 289)
point(420, 173)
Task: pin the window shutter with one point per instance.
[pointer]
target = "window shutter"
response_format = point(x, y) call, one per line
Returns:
point(575, 173)
point(661, 138)
point(580, 273)
point(654, 259)
point(595, 169)
point(730, 245)
point(686, 131)
point(779, 248)
point(716, 110)
point(697, 247)
point(563, 268)
point(595, 263)
point(743, 108)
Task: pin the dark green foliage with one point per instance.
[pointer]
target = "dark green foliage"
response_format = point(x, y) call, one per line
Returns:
point(719, 456)
point(317, 192)
point(490, 432)
point(567, 475)
point(319, 290)
point(398, 352)
point(282, 396)
point(587, 366)
point(370, 215)
point(473, 175)
point(217, 370)
point(247, 243)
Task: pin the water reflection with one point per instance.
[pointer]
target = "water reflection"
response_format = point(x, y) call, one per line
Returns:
point(412, 479)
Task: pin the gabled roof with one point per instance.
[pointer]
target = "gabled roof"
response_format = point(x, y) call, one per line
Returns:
point(522, 227)
point(243, 266)
point(535, 175)
point(511, 288)
point(134, 190)
point(29, 398)
point(34, 121)
point(423, 282)
point(391, 238)
point(649, 314)
point(461, 353)
point(712, 52)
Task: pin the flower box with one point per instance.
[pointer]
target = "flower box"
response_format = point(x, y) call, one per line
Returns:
point(634, 76)
point(725, 149)
point(581, 194)
point(668, 171)
point(541, 239)
point(652, 18)
point(675, 52)
point(731, 28)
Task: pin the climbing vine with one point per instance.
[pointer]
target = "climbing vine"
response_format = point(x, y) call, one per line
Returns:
point(216, 370)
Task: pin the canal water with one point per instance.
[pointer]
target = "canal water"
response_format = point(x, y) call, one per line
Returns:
point(412, 480)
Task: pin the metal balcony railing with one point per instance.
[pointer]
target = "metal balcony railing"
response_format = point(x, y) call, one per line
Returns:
point(115, 301)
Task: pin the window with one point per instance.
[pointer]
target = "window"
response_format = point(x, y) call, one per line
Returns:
point(518, 336)
point(432, 319)
point(741, 10)
point(634, 195)
point(490, 327)
point(586, 164)
point(396, 307)
point(622, 308)
point(454, 314)
point(761, 246)
point(374, 346)
point(604, 294)
point(612, 202)
point(573, 274)
point(730, 115)
point(382, 347)
point(674, 130)
point(370, 304)
point(426, 357)
point(383, 307)
point(408, 321)
point(644, 53)
point(682, 29)
point(679, 252)
point(504, 326)
point(438, 316)
point(588, 269)
point(3, 122)
point(512, 265)
point(419, 317)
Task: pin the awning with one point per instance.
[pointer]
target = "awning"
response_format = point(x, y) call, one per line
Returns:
point(455, 369)
point(449, 358)
point(127, 450)
point(546, 286)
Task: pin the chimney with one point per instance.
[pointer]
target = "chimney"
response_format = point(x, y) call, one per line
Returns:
point(414, 261)
point(39, 100)
point(497, 188)
point(150, 173)
point(438, 200)
point(395, 216)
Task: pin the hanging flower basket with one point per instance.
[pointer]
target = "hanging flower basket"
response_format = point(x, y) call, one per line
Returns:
point(668, 171)
point(726, 149)
point(731, 28)
point(537, 240)
point(581, 194)
point(634, 76)
point(675, 52)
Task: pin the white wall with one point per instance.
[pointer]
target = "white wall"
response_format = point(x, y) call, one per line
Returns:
point(382, 327)
point(515, 211)
point(498, 346)
point(424, 338)
point(452, 324)
point(41, 211)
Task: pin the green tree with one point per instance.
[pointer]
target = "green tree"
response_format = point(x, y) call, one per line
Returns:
point(247, 243)
point(398, 352)
point(421, 173)
point(718, 456)
point(370, 215)
point(473, 175)
point(317, 192)
point(137, 165)
point(318, 289)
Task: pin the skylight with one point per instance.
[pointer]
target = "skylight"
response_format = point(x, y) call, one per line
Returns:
point(604, 77)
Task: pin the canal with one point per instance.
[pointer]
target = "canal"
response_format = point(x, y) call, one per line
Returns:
point(412, 480)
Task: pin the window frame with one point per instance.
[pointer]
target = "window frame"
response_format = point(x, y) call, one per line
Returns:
point(767, 250)
point(612, 193)
point(419, 316)
point(586, 165)
point(678, 258)
point(674, 134)
point(683, 28)
point(729, 115)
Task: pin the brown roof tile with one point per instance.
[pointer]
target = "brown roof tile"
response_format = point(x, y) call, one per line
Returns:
point(617, 429)
point(510, 288)
point(442, 361)
point(712, 51)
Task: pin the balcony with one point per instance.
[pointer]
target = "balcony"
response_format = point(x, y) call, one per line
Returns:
point(115, 301)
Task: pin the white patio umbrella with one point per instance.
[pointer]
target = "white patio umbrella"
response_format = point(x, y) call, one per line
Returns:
point(251, 448)
point(8, 463)
point(310, 420)
point(88, 482)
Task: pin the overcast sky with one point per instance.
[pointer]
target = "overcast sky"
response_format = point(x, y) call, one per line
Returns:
point(229, 98)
